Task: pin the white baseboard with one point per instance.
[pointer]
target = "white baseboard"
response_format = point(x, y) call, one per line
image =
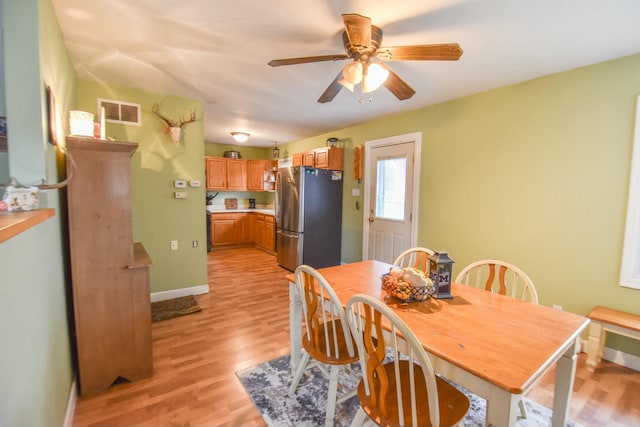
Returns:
point(177, 293)
point(71, 404)
point(618, 357)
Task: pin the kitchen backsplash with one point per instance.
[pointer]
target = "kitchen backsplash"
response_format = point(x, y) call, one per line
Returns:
point(263, 200)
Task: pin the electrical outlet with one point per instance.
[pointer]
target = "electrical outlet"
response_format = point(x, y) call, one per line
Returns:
point(194, 183)
point(557, 307)
point(174, 245)
point(180, 195)
point(194, 244)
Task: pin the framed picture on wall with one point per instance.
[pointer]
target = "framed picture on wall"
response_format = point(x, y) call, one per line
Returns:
point(51, 116)
point(3, 134)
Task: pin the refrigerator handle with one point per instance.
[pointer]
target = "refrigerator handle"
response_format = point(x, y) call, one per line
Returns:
point(277, 201)
point(290, 235)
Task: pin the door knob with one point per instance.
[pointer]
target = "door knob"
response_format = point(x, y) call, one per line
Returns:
point(372, 218)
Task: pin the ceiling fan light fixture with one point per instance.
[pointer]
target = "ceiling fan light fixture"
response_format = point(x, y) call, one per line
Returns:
point(375, 76)
point(351, 75)
point(240, 136)
point(346, 84)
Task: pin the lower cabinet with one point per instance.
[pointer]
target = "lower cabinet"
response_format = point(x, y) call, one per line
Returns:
point(265, 232)
point(248, 227)
point(226, 229)
point(232, 229)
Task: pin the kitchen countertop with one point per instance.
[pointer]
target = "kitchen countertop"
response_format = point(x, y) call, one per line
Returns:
point(215, 209)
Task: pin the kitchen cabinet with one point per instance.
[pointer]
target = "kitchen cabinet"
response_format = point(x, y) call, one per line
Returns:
point(226, 174)
point(255, 175)
point(329, 158)
point(226, 229)
point(243, 228)
point(321, 158)
point(265, 232)
point(248, 226)
point(269, 233)
point(236, 174)
point(109, 272)
point(308, 158)
point(240, 175)
point(259, 231)
point(216, 171)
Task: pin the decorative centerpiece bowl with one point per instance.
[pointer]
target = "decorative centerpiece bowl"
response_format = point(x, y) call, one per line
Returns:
point(408, 284)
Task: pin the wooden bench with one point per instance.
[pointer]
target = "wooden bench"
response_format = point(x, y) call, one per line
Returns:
point(605, 320)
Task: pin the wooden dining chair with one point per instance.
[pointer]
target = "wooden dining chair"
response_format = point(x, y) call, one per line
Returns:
point(500, 277)
point(327, 340)
point(417, 257)
point(503, 278)
point(398, 387)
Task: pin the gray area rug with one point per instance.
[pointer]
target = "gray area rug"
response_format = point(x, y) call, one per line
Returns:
point(267, 385)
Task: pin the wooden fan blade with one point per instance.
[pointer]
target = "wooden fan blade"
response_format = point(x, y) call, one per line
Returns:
point(442, 52)
point(396, 85)
point(358, 29)
point(307, 59)
point(332, 90)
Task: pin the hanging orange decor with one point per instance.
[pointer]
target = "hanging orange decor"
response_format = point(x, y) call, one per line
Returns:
point(357, 162)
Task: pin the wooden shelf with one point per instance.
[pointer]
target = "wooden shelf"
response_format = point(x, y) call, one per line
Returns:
point(14, 223)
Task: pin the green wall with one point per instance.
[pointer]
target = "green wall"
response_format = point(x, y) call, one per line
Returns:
point(535, 173)
point(35, 357)
point(158, 217)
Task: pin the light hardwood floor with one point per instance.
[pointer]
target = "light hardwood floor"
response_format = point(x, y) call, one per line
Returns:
point(245, 321)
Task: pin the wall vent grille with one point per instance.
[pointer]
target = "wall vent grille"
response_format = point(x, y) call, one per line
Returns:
point(120, 112)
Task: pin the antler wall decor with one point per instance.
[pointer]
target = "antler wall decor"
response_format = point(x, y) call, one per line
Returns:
point(174, 128)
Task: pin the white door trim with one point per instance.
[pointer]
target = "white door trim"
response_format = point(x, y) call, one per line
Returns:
point(416, 138)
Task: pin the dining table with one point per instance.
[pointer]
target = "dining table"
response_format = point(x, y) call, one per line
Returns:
point(495, 346)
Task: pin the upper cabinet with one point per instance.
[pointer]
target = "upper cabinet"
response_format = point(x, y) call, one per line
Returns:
point(241, 175)
point(321, 158)
point(236, 174)
point(229, 174)
point(255, 175)
point(216, 172)
point(329, 158)
point(226, 174)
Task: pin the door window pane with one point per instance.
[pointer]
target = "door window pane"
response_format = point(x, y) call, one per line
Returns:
point(390, 188)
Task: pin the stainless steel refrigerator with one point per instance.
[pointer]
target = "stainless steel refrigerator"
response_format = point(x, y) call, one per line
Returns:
point(308, 217)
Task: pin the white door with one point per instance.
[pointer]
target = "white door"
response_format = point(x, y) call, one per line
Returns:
point(391, 196)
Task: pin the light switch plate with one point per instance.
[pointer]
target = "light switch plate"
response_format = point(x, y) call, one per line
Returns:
point(178, 183)
point(194, 183)
point(355, 192)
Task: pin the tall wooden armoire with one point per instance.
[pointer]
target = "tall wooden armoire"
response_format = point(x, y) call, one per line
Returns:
point(109, 272)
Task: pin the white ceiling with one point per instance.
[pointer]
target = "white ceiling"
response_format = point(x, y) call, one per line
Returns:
point(217, 51)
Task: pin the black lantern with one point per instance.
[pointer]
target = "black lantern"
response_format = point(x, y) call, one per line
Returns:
point(440, 273)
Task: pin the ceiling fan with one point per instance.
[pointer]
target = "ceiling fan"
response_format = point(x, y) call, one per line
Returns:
point(362, 42)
